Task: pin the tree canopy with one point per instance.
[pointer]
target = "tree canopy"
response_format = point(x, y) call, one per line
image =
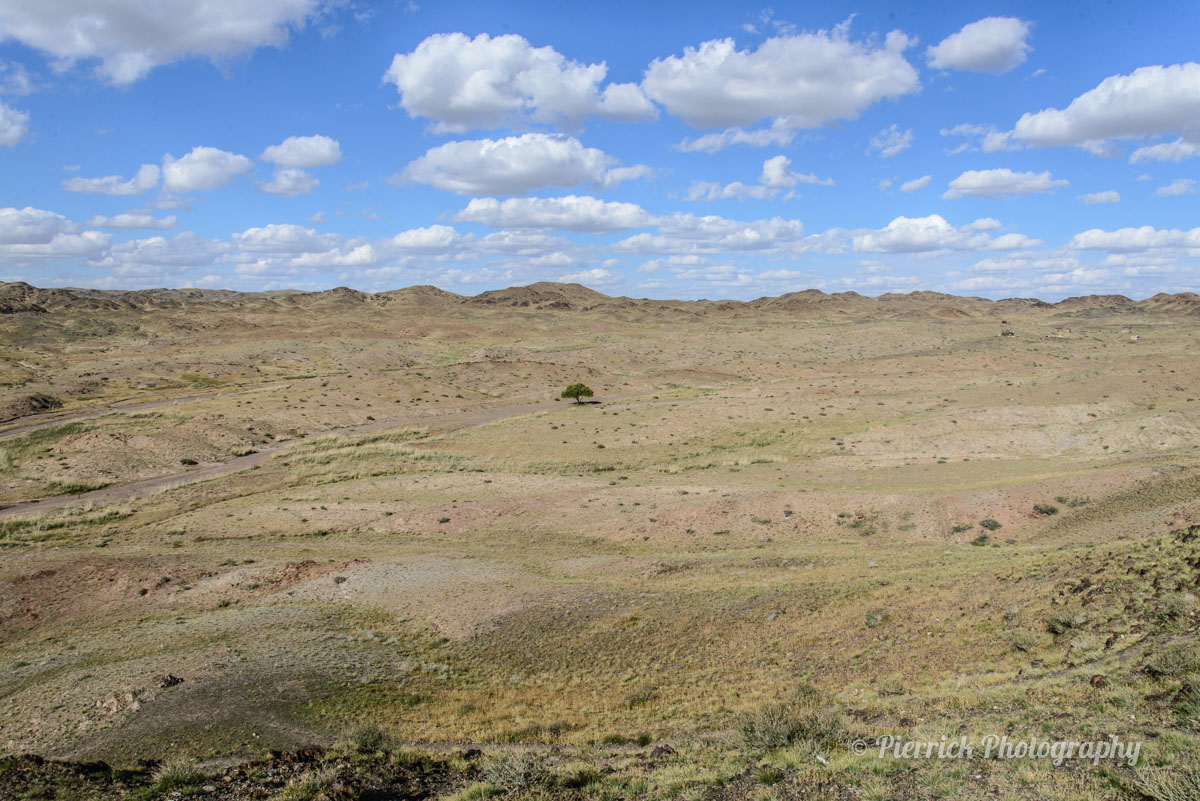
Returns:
point(578, 392)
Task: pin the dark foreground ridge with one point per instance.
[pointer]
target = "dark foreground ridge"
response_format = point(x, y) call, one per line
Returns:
point(338, 774)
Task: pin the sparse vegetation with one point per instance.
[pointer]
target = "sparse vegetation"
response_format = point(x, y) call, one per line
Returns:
point(172, 776)
point(457, 561)
point(516, 771)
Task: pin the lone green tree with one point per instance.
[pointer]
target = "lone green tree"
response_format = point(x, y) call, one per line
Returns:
point(578, 392)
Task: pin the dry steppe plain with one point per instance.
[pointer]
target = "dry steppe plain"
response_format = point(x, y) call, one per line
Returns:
point(234, 525)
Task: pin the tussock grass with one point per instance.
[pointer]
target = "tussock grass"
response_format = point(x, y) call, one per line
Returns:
point(177, 776)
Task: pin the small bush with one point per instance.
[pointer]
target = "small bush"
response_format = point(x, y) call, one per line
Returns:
point(1174, 661)
point(1044, 509)
point(807, 696)
point(959, 528)
point(1169, 784)
point(638, 698)
point(990, 524)
point(981, 540)
point(1060, 622)
point(368, 738)
point(174, 775)
point(877, 617)
point(514, 772)
point(579, 777)
point(1187, 704)
point(777, 725)
point(1024, 642)
point(769, 775)
point(310, 785)
point(1174, 607)
point(769, 728)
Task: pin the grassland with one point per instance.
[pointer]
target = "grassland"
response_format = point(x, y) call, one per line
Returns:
point(772, 538)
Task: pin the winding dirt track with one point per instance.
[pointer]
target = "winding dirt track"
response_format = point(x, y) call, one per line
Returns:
point(58, 418)
point(140, 489)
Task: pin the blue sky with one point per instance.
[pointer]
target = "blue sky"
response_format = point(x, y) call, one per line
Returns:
point(700, 149)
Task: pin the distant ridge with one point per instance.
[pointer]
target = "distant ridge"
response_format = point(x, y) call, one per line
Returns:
point(23, 298)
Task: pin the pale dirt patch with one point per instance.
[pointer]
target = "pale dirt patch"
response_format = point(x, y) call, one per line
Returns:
point(455, 598)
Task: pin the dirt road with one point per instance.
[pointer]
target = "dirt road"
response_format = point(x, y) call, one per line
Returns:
point(34, 422)
point(140, 489)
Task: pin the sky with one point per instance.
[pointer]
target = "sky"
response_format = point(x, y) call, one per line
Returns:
point(663, 150)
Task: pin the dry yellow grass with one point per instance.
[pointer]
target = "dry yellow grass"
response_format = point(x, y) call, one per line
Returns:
point(755, 503)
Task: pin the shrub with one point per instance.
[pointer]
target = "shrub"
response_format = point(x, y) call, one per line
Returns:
point(1024, 642)
point(310, 785)
point(1173, 607)
point(959, 528)
point(1187, 704)
point(769, 775)
point(981, 540)
point(990, 524)
point(777, 725)
point(1174, 660)
point(877, 617)
point(579, 777)
point(1045, 509)
point(1060, 622)
point(514, 772)
point(174, 775)
point(770, 727)
point(1169, 784)
point(368, 737)
point(638, 698)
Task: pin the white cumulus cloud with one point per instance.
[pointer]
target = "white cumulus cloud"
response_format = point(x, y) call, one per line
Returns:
point(687, 234)
point(132, 221)
point(304, 151)
point(279, 238)
point(568, 213)
point(934, 233)
point(994, 44)
point(516, 165)
point(204, 168)
point(1180, 186)
point(145, 180)
point(1150, 101)
point(597, 276)
point(29, 226)
point(486, 82)
point(1131, 240)
point(129, 38)
point(800, 81)
point(890, 141)
point(776, 175)
point(1000, 182)
point(290, 182)
point(1094, 198)
point(916, 183)
point(31, 236)
point(14, 125)
point(1176, 150)
point(157, 255)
